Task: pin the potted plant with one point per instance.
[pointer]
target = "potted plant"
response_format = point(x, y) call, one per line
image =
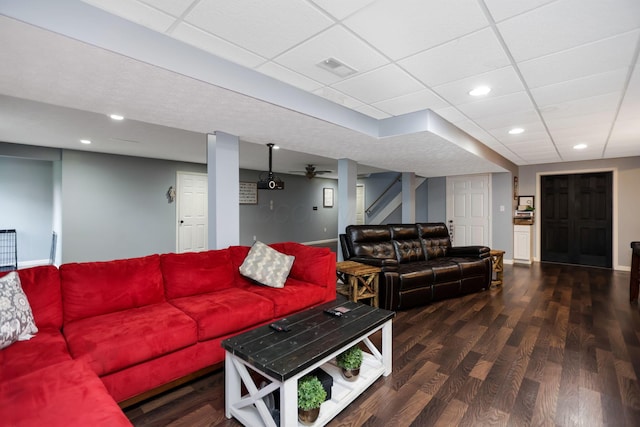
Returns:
point(311, 394)
point(350, 361)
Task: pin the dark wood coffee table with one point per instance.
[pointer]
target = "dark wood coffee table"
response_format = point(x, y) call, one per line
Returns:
point(282, 358)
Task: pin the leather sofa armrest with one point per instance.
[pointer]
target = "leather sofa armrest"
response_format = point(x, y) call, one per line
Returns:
point(386, 264)
point(470, 251)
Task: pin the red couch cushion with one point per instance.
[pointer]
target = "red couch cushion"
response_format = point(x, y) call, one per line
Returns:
point(311, 263)
point(66, 394)
point(224, 312)
point(195, 273)
point(295, 296)
point(115, 341)
point(46, 348)
point(42, 287)
point(94, 288)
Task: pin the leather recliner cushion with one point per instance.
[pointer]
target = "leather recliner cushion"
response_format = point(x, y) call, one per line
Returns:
point(415, 275)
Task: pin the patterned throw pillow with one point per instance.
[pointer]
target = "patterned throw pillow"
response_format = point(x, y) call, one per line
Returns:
point(267, 266)
point(16, 318)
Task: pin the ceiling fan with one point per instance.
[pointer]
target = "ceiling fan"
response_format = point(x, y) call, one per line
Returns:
point(311, 171)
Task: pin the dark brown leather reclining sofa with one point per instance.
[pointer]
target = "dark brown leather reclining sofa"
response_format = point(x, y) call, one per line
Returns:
point(418, 263)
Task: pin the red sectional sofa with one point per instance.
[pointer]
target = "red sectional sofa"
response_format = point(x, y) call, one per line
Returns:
point(110, 331)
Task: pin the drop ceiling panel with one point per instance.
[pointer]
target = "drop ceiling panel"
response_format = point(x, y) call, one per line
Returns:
point(421, 100)
point(590, 20)
point(502, 9)
point(592, 135)
point(502, 105)
point(596, 122)
point(285, 75)
point(384, 83)
point(172, 7)
point(605, 104)
point(502, 81)
point(215, 45)
point(336, 43)
point(531, 131)
point(340, 8)
point(450, 114)
point(508, 120)
point(571, 155)
point(594, 58)
point(265, 28)
point(338, 97)
point(372, 112)
point(137, 12)
point(594, 85)
point(532, 146)
point(400, 29)
point(630, 108)
point(475, 53)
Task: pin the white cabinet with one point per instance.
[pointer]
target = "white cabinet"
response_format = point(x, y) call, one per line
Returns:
point(522, 244)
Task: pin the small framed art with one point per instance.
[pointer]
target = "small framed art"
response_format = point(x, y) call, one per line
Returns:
point(327, 197)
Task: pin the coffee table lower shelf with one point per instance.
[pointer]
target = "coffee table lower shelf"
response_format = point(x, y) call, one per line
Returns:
point(251, 409)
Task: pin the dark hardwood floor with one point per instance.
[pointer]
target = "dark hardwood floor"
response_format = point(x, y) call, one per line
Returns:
point(557, 345)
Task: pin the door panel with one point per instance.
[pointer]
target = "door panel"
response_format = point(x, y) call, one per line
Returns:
point(468, 209)
point(576, 219)
point(192, 212)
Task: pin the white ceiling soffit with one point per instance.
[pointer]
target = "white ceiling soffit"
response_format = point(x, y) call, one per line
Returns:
point(565, 71)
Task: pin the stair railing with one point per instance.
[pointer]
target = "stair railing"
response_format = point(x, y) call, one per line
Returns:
point(397, 178)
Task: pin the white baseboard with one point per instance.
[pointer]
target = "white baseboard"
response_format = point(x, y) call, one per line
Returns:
point(320, 242)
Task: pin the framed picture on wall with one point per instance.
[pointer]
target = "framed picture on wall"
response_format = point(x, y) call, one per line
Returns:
point(526, 201)
point(327, 197)
point(248, 193)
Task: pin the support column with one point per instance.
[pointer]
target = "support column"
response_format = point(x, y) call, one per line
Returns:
point(223, 179)
point(347, 181)
point(408, 197)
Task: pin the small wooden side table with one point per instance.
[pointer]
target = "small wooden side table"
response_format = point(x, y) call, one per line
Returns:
point(359, 281)
point(497, 263)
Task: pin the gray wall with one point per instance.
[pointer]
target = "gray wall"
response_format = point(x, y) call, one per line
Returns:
point(116, 206)
point(437, 203)
point(628, 195)
point(292, 217)
point(26, 204)
point(502, 221)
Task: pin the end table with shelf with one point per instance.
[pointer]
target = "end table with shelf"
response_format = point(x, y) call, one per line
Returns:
point(359, 281)
point(497, 265)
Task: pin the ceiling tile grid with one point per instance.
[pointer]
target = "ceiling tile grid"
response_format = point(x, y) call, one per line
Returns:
point(560, 69)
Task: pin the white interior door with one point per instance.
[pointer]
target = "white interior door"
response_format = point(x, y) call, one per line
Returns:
point(192, 214)
point(468, 201)
point(360, 204)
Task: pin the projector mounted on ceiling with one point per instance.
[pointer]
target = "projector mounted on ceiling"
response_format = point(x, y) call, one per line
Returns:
point(269, 181)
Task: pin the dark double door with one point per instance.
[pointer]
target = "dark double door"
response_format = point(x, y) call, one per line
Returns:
point(576, 218)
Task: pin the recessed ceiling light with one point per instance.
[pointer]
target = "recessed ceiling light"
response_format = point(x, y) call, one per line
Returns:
point(516, 131)
point(480, 90)
point(276, 147)
point(580, 146)
point(85, 141)
point(116, 116)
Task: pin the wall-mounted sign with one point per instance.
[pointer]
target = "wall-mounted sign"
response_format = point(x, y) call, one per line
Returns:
point(248, 193)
